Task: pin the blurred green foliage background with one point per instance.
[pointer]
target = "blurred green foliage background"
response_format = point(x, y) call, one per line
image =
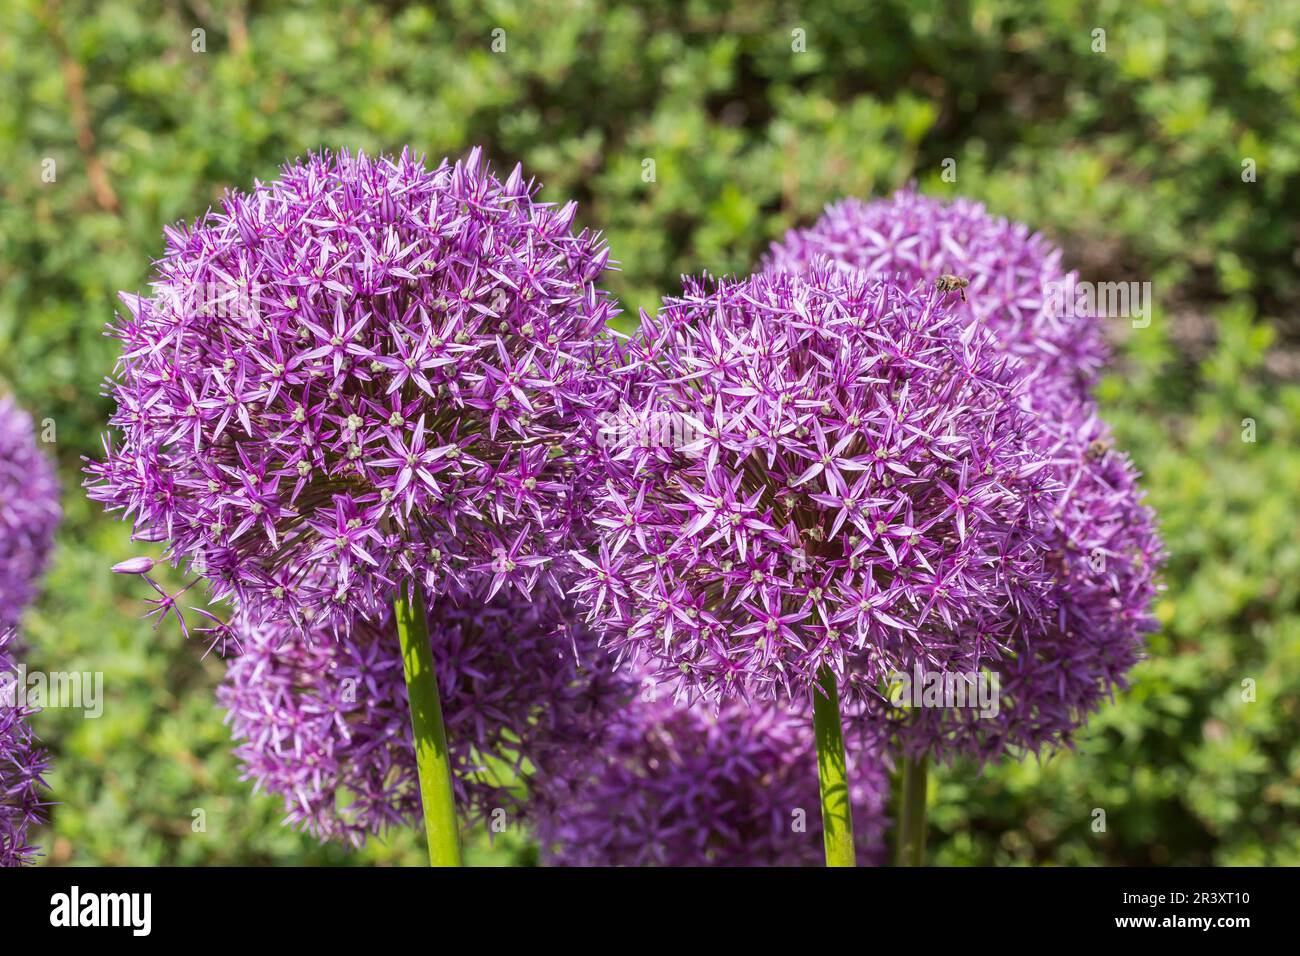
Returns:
point(1131, 158)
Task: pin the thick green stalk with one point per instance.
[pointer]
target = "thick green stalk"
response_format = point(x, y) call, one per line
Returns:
point(432, 759)
point(911, 813)
point(832, 773)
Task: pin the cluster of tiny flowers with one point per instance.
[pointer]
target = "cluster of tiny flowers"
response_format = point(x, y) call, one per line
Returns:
point(857, 491)
point(1103, 552)
point(360, 373)
point(1098, 539)
point(691, 786)
point(324, 723)
point(22, 766)
point(29, 515)
point(29, 511)
point(1012, 274)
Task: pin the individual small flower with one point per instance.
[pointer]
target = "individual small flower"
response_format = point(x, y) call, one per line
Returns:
point(23, 765)
point(323, 723)
point(140, 565)
point(855, 489)
point(1103, 553)
point(364, 371)
point(687, 786)
point(1017, 287)
point(29, 511)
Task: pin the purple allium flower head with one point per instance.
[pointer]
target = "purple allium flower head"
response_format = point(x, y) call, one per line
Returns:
point(1099, 540)
point(23, 765)
point(847, 483)
point(324, 723)
point(688, 786)
point(1103, 552)
point(361, 372)
point(1017, 289)
point(29, 511)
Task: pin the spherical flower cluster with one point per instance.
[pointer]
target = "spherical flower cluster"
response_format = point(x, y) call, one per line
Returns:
point(23, 765)
point(324, 723)
point(29, 511)
point(1103, 551)
point(688, 786)
point(362, 372)
point(852, 487)
point(1099, 541)
point(1017, 286)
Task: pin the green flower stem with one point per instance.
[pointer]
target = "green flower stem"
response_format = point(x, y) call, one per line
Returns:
point(911, 813)
point(832, 775)
point(432, 759)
